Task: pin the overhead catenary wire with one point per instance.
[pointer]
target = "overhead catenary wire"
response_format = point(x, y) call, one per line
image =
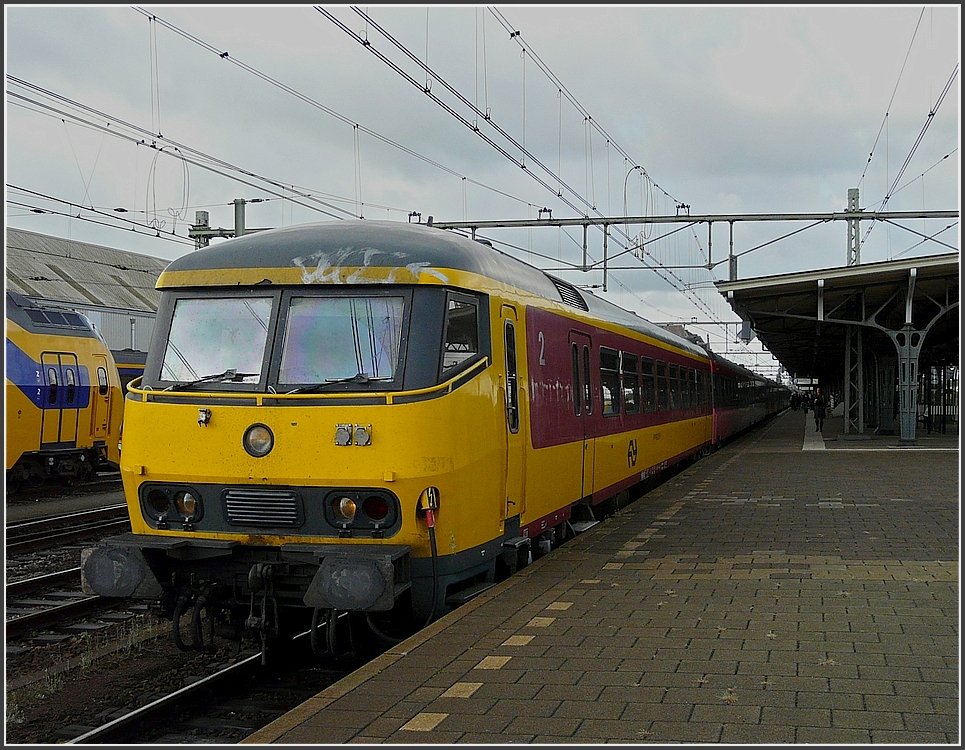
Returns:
point(518, 161)
point(366, 43)
point(224, 55)
point(149, 139)
point(134, 225)
point(891, 101)
point(112, 122)
point(929, 119)
point(517, 37)
point(926, 171)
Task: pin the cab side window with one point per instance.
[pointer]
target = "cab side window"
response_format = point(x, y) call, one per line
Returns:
point(461, 339)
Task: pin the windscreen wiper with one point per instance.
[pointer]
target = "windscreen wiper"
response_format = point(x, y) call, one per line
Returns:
point(359, 378)
point(228, 375)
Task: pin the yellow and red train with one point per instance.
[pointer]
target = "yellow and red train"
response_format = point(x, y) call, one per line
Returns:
point(63, 401)
point(383, 419)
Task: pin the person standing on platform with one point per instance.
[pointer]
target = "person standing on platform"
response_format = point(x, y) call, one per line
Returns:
point(820, 407)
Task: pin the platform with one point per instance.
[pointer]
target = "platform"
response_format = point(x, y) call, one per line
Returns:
point(774, 592)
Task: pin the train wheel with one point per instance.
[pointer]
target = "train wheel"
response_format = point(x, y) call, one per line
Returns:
point(182, 610)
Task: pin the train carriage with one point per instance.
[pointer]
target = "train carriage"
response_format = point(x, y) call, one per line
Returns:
point(63, 397)
point(130, 364)
point(382, 419)
point(742, 398)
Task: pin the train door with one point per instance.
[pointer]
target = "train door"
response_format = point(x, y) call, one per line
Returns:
point(61, 399)
point(100, 399)
point(515, 496)
point(583, 403)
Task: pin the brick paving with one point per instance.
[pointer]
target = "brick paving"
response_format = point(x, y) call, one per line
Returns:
point(779, 591)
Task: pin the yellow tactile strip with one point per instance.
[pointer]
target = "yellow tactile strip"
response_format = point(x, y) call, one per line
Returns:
point(764, 565)
point(424, 722)
point(462, 690)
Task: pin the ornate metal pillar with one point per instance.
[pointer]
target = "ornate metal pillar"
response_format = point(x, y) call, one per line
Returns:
point(908, 341)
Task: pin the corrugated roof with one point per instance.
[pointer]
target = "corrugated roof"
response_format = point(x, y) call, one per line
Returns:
point(60, 270)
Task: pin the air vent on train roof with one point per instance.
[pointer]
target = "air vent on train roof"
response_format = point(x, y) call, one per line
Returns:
point(569, 294)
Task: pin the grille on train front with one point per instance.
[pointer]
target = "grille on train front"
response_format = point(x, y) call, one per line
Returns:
point(259, 507)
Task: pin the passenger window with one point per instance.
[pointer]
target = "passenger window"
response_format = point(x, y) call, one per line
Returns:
point(71, 386)
point(577, 400)
point(646, 374)
point(52, 385)
point(102, 381)
point(663, 396)
point(610, 380)
point(462, 333)
point(631, 383)
point(587, 390)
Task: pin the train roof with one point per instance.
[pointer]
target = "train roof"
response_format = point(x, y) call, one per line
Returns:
point(40, 318)
point(727, 364)
point(417, 247)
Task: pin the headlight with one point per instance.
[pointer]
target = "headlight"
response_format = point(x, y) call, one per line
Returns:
point(171, 504)
point(186, 504)
point(157, 503)
point(258, 440)
point(345, 509)
point(362, 511)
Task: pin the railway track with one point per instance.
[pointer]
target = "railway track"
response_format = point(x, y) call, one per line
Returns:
point(49, 604)
point(225, 706)
point(42, 533)
point(54, 602)
point(102, 482)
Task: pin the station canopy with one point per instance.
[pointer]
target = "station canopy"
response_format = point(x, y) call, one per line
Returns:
point(802, 318)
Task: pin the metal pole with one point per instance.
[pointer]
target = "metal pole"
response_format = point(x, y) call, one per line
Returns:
point(239, 216)
point(710, 243)
point(733, 260)
point(854, 240)
point(585, 227)
point(606, 230)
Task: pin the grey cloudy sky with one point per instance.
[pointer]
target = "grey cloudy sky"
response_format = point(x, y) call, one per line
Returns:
point(468, 112)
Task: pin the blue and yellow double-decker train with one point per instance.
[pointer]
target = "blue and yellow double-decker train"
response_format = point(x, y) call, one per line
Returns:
point(63, 397)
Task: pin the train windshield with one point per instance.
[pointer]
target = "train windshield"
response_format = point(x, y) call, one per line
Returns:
point(214, 337)
point(332, 339)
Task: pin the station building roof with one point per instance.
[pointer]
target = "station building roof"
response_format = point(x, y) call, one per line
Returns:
point(61, 270)
point(802, 318)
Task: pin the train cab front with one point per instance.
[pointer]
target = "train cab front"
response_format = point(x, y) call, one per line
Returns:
point(279, 448)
